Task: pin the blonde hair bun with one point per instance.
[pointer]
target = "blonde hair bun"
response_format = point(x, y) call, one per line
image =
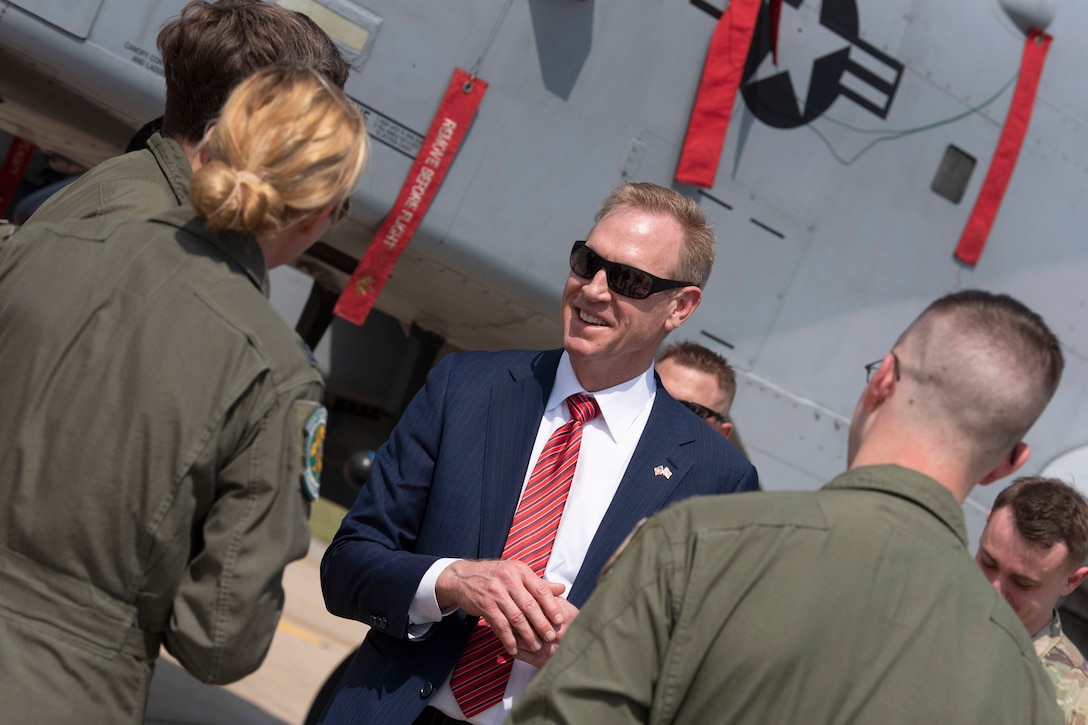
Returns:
point(234, 199)
point(286, 144)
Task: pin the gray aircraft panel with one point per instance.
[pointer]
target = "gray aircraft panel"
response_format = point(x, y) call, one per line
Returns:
point(743, 247)
point(675, 42)
point(944, 41)
point(99, 68)
point(1066, 52)
point(801, 434)
point(71, 16)
point(415, 53)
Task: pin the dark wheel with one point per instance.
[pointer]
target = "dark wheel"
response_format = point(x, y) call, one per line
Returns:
point(357, 468)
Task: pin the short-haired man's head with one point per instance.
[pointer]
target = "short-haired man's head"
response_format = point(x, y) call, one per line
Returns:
point(287, 144)
point(983, 366)
point(693, 355)
point(1046, 511)
point(697, 255)
point(213, 46)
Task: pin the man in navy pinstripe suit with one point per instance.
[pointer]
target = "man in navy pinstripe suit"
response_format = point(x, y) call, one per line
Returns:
point(417, 557)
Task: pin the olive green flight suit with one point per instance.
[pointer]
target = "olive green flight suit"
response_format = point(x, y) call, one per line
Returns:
point(159, 422)
point(131, 186)
point(858, 604)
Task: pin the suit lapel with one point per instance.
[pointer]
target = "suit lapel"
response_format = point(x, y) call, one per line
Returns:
point(515, 408)
point(641, 492)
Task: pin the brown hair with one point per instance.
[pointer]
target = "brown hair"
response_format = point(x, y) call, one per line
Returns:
point(1046, 511)
point(693, 355)
point(697, 254)
point(984, 366)
point(213, 46)
point(287, 144)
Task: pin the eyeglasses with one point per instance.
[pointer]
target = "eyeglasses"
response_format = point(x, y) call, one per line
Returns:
point(341, 211)
point(622, 279)
point(874, 366)
point(702, 411)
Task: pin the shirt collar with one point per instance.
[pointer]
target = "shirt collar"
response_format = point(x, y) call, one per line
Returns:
point(620, 405)
point(173, 162)
point(240, 247)
point(911, 485)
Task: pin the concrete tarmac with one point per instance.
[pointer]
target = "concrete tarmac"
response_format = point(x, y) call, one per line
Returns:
point(308, 645)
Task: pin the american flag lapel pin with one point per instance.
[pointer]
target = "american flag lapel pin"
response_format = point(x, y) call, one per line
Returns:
point(663, 471)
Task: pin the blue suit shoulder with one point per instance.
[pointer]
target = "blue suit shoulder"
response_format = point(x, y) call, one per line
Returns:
point(499, 361)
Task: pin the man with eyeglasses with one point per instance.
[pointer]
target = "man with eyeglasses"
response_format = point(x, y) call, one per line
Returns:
point(512, 477)
point(701, 380)
point(856, 603)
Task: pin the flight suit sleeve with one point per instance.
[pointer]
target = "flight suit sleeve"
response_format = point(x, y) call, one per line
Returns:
point(609, 663)
point(231, 596)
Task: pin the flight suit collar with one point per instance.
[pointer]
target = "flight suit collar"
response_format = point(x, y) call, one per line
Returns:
point(173, 163)
point(239, 247)
point(910, 485)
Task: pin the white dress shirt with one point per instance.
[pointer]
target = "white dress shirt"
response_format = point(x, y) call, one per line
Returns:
point(608, 442)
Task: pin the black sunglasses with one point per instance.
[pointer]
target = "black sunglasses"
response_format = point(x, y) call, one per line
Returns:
point(702, 411)
point(622, 279)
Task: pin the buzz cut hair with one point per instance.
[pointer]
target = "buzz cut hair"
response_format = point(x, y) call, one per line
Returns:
point(984, 367)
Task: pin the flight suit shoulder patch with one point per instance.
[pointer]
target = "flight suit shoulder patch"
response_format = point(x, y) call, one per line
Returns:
point(313, 418)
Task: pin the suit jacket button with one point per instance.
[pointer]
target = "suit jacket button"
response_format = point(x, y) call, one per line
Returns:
point(426, 690)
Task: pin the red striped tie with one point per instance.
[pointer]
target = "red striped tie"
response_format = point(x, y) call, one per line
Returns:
point(479, 680)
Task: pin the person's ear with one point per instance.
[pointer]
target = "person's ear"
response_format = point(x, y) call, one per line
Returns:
point(726, 428)
point(1017, 457)
point(202, 146)
point(880, 385)
point(1074, 580)
point(683, 305)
